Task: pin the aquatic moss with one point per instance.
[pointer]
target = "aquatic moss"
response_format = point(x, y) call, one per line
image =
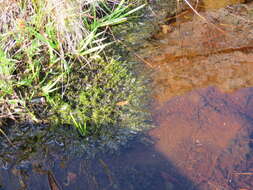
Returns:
point(100, 99)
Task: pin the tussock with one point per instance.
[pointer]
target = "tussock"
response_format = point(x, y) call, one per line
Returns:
point(65, 15)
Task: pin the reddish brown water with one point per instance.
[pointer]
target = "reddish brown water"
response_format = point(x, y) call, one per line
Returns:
point(202, 101)
point(214, 4)
point(205, 134)
point(198, 54)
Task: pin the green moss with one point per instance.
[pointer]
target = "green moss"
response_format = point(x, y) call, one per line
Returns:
point(95, 98)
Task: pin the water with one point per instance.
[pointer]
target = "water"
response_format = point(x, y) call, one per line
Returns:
point(202, 78)
point(202, 105)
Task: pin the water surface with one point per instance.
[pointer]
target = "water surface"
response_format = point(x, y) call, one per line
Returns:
point(202, 79)
point(202, 104)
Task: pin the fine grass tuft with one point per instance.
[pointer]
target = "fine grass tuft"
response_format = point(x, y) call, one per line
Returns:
point(51, 66)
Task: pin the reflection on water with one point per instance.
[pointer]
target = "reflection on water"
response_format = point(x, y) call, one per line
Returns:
point(138, 166)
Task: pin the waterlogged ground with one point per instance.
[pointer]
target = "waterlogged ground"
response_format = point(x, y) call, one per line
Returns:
point(202, 105)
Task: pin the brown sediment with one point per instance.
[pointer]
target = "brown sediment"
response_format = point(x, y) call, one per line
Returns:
point(211, 4)
point(229, 72)
point(196, 131)
point(197, 55)
point(191, 55)
point(203, 101)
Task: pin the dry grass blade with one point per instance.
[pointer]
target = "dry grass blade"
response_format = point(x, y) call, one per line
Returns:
point(52, 182)
point(3, 133)
point(202, 17)
point(243, 173)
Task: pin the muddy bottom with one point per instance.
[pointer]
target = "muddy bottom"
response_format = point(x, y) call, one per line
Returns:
point(207, 135)
point(202, 79)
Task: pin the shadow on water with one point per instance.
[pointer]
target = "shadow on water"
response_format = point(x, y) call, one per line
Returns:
point(204, 142)
point(137, 166)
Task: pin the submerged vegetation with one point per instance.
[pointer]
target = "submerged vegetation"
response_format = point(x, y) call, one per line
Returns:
point(53, 69)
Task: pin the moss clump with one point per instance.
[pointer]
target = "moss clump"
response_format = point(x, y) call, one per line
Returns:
point(102, 97)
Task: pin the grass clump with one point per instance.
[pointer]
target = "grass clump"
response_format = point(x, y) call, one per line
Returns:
point(51, 65)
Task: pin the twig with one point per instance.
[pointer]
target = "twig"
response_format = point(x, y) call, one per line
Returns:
point(243, 173)
point(2, 132)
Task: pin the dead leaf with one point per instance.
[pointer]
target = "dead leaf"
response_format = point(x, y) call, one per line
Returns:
point(123, 103)
point(166, 29)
